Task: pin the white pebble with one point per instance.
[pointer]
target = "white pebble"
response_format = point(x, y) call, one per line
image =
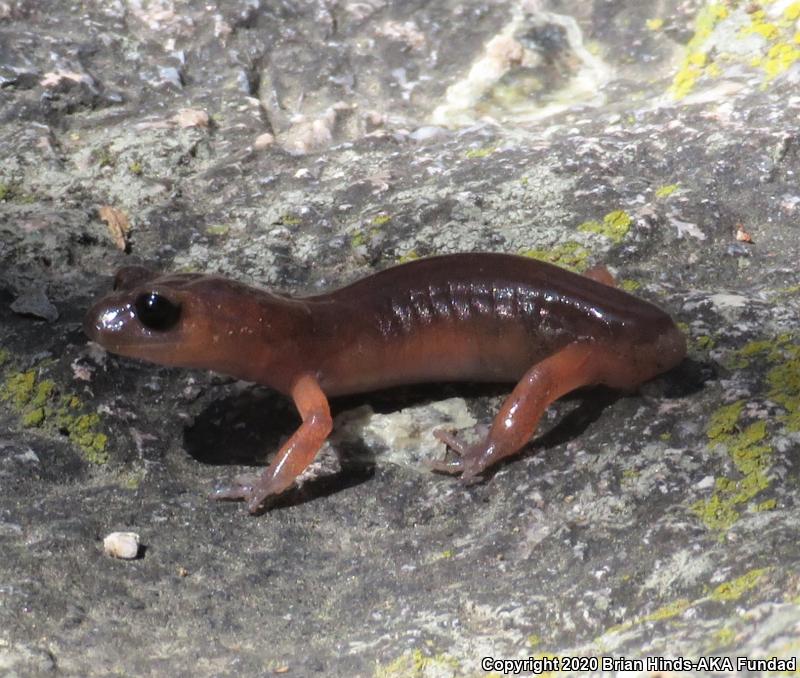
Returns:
point(122, 545)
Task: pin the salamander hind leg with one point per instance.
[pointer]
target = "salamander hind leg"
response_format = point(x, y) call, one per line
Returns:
point(576, 365)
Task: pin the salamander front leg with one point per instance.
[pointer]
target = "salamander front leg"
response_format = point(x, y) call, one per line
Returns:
point(576, 365)
point(295, 455)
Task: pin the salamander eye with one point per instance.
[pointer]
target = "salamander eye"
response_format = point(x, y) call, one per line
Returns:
point(156, 312)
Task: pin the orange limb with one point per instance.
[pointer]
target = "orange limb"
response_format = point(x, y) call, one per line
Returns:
point(576, 365)
point(295, 454)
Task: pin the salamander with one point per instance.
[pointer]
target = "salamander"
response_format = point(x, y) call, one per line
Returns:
point(460, 317)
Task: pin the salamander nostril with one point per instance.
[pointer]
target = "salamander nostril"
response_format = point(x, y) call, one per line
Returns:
point(156, 312)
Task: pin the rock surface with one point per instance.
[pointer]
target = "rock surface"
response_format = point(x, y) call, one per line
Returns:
point(298, 145)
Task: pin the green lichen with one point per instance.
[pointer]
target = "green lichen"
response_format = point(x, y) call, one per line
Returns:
point(136, 168)
point(37, 403)
point(779, 58)
point(473, 153)
point(788, 291)
point(12, 192)
point(42, 393)
point(703, 342)
point(667, 611)
point(743, 357)
point(777, 44)
point(768, 505)
point(696, 60)
point(363, 238)
point(218, 229)
point(666, 191)
point(736, 588)
point(615, 226)
point(784, 389)
point(630, 285)
point(724, 637)
point(18, 388)
point(723, 421)
point(33, 418)
point(381, 219)
point(131, 480)
point(782, 356)
point(760, 26)
point(571, 255)
point(4, 357)
point(415, 664)
point(103, 157)
point(654, 24)
point(717, 513)
point(411, 255)
point(289, 219)
point(751, 456)
point(24, 391)
point(82, 431)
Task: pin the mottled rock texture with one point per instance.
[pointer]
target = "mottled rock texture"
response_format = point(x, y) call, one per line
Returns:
point(299, 145)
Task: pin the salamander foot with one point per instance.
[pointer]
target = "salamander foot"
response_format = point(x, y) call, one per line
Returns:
point(471, 459)
point(248, 488)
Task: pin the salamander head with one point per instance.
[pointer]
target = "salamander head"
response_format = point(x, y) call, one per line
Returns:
point(176, 319)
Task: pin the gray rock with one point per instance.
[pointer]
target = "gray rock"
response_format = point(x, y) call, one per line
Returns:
point(643, 135)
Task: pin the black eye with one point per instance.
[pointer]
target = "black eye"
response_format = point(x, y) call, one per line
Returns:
point(157, 312)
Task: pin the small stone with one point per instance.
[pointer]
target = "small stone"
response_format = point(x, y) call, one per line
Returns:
point(34, 302)
point(123, 545)
point(263, 141)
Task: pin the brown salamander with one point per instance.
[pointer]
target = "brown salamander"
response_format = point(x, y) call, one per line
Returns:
point(460, 317)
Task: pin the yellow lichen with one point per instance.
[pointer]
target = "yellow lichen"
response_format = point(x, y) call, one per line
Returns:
point(630, 285)
point(415, 664)
point(666, 191)
point(784, 383)
point(703, 342)
point(18, 388)
point(780, 58)
point(760, 27)
point(411, 255)
point(724, 636)
point(571, 255)
point(752, 458)
point(473, 153)
point(734, 589)
point(37, 404)
point(289, 219)
point(615, 226)
point(696, 57)
point(724, 420)
point(667, 611)
point(33, 418)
